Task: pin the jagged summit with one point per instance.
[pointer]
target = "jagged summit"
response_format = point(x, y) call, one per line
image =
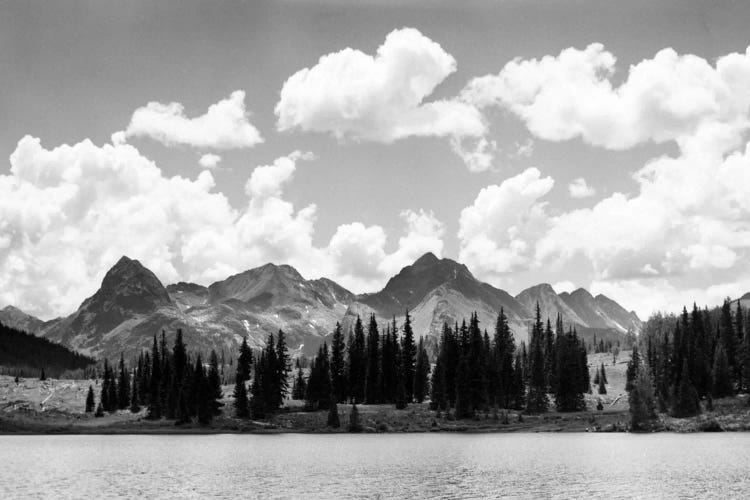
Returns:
point(15, 318)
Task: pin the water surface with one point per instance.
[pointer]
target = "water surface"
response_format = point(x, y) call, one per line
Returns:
point(377, 466)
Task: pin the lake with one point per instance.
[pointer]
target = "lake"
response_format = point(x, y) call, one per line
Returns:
point(376, 466)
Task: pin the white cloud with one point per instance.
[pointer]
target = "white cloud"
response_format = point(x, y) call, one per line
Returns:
point(209, 160)
point(225, 125)
point(498, 231)
point(67, 214)
point(359, 257)
point(580, 189)
point(564, 286)
point(381, 98)
point(685, 231)
point(671, 97)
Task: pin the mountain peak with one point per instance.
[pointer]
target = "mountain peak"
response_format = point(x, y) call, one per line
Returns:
point(427, 259)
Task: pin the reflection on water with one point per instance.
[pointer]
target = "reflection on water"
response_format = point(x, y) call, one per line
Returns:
point(379, 466)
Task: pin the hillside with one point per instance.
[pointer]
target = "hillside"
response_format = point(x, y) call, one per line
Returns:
point(26, 355)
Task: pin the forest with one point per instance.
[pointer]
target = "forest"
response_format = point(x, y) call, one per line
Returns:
point(26, 355)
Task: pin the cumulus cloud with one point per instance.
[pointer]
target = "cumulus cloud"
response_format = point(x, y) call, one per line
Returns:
point(225, 125)
point(498, 231)
point(670, 97)
point(685, 230)
point(382, 98)
point(579, 188)
point(68, 213)
point(209, 160)
point(358, 252)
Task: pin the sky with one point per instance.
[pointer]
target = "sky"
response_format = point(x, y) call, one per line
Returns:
point(580, 143)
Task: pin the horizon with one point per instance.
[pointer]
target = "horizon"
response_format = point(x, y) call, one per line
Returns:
point(347, 142)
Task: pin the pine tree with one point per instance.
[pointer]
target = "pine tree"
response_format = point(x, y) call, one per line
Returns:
point(518, 391)
point(90, 400)
point(641, 401)
point(408, 359)
point(154, 401)
point(298, 389)
point(354, 425)
point(686, 403)
point(596, 377)
point(135, 405)
point(283, 368)
point(422, 373)
point(632, 370)
point(213, 383)
point(123, 386)
point(372, 371)
point(603, 374)
point(42, 375)
point(258, 403)
point(464, 408)
point(505, 348)
point(241, 403)
point(99, 410)
point(338, 367)
point(602, 387)
point(318, 395)
point(722, 377)
point(333, 415)
point(244, 361)
point(536, 400)
point(205, 398)
point(357, 363)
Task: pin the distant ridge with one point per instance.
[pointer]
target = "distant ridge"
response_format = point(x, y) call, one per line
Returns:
point(132, 305)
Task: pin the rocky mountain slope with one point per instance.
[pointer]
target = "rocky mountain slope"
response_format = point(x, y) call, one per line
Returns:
point(132, 305)
point(435, 291)
point(16, 318)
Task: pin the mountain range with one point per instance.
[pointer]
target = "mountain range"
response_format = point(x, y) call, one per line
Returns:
point(132, 305)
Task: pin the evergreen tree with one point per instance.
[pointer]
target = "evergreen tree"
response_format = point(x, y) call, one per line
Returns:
point(99, 410)
point(354, 425)
point(722, 377)
point(298, 389)
point(422, 373)
point(372, 371)
point(258, 403)
point(241, 404)
point(727, 337)
point(686, 403)
point(505, 347)
point(596, 377)
point(603, 374)
point(338, 367)
point(408, 359)
point(641, 401)
point(90, 400)
point(135, 404)
point(283, 368)
point(244, 361)
point(569, 389)
point(464, 408)
point(213, 383)
point(632, 370)
point(536, 400)
point(357, 363)
point(42, 375)
point(333, 415)
point(318, 396)
point(154, 401)
point(518, 388)
point(204, 396)
point(602, 387)
point(123, 386)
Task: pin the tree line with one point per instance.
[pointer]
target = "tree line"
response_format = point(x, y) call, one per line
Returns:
point(170, 383)
point(370, 368)
point(683, 360)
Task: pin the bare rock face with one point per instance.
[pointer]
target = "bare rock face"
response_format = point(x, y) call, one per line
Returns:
point(132, 306)
point(16, 318)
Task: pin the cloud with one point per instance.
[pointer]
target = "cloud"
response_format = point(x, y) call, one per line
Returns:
point(358, 252)
point(225, 125)
point(580, 189)
point(670, 97)
point(498, 231)
point(685, 230)
point(67, 214)
point(381, 98)
point(209, 161)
